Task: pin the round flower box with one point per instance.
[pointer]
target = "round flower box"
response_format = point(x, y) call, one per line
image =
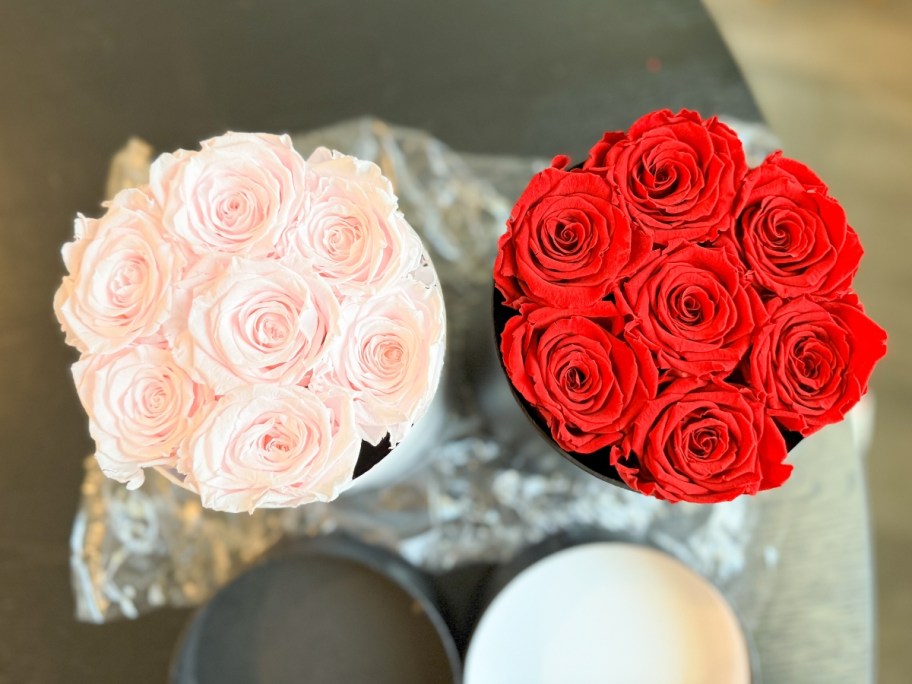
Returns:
point(675, 321)
point(260, 328)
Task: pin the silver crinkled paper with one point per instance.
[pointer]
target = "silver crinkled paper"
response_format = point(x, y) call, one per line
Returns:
point(491, 487)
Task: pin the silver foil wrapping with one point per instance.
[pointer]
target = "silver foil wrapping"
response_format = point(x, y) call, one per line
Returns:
point(489, 488)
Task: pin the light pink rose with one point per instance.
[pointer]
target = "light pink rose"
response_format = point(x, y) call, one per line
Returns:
point(389, 356)
point(351, 231)
point(138, 199)
point(208, 306)
point(259, 321)
point(265, 446)
point(236, 195)
point(119, 287)
point(141, 404)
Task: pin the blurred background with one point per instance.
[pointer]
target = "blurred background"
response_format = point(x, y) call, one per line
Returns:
point(832, 79)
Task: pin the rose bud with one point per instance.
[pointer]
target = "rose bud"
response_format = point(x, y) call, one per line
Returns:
point(141, 404)
point(587, 383)
point(794, 236)
point(257, 321)
point(703, 442)
point(120, 284)
point(691, 307)
point(813, 359)
point(567, 244)
point(678, 175)
point(264, 446)
point(352, 233)
point(388, 356)
point(237, 195)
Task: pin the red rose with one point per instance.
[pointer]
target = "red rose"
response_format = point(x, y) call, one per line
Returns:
point(678, 175)
point(794, 235)
point(813, 359)
point(567, 242)
point(703, 443)
point(597, 160)
point(586, 382)
point(692, 309)
point(680, 315)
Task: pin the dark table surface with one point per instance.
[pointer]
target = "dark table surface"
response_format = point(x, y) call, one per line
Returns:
point(78, 77)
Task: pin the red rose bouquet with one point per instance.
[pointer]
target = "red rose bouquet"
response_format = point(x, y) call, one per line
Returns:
point(676, 320)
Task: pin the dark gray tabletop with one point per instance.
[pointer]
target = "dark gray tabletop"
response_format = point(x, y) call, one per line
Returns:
point(78, 77)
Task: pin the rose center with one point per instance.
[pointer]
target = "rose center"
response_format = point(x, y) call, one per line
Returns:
point(156, 400)
point(386, 356)
point(687, 306)
point(274, 444)
point(703, 442)
point(812, 365)
point(704, 439)
point(563, 236)
point(152, 396)
point(231, 209)
point(272, 330)
point(339, 238)
point(660, 178)
point(392, 355)
point(575, 378)
point(127, 280)
point(778, 232)
point(567, 237)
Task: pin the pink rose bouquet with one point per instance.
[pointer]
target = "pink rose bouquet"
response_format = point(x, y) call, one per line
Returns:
point(249, 321)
